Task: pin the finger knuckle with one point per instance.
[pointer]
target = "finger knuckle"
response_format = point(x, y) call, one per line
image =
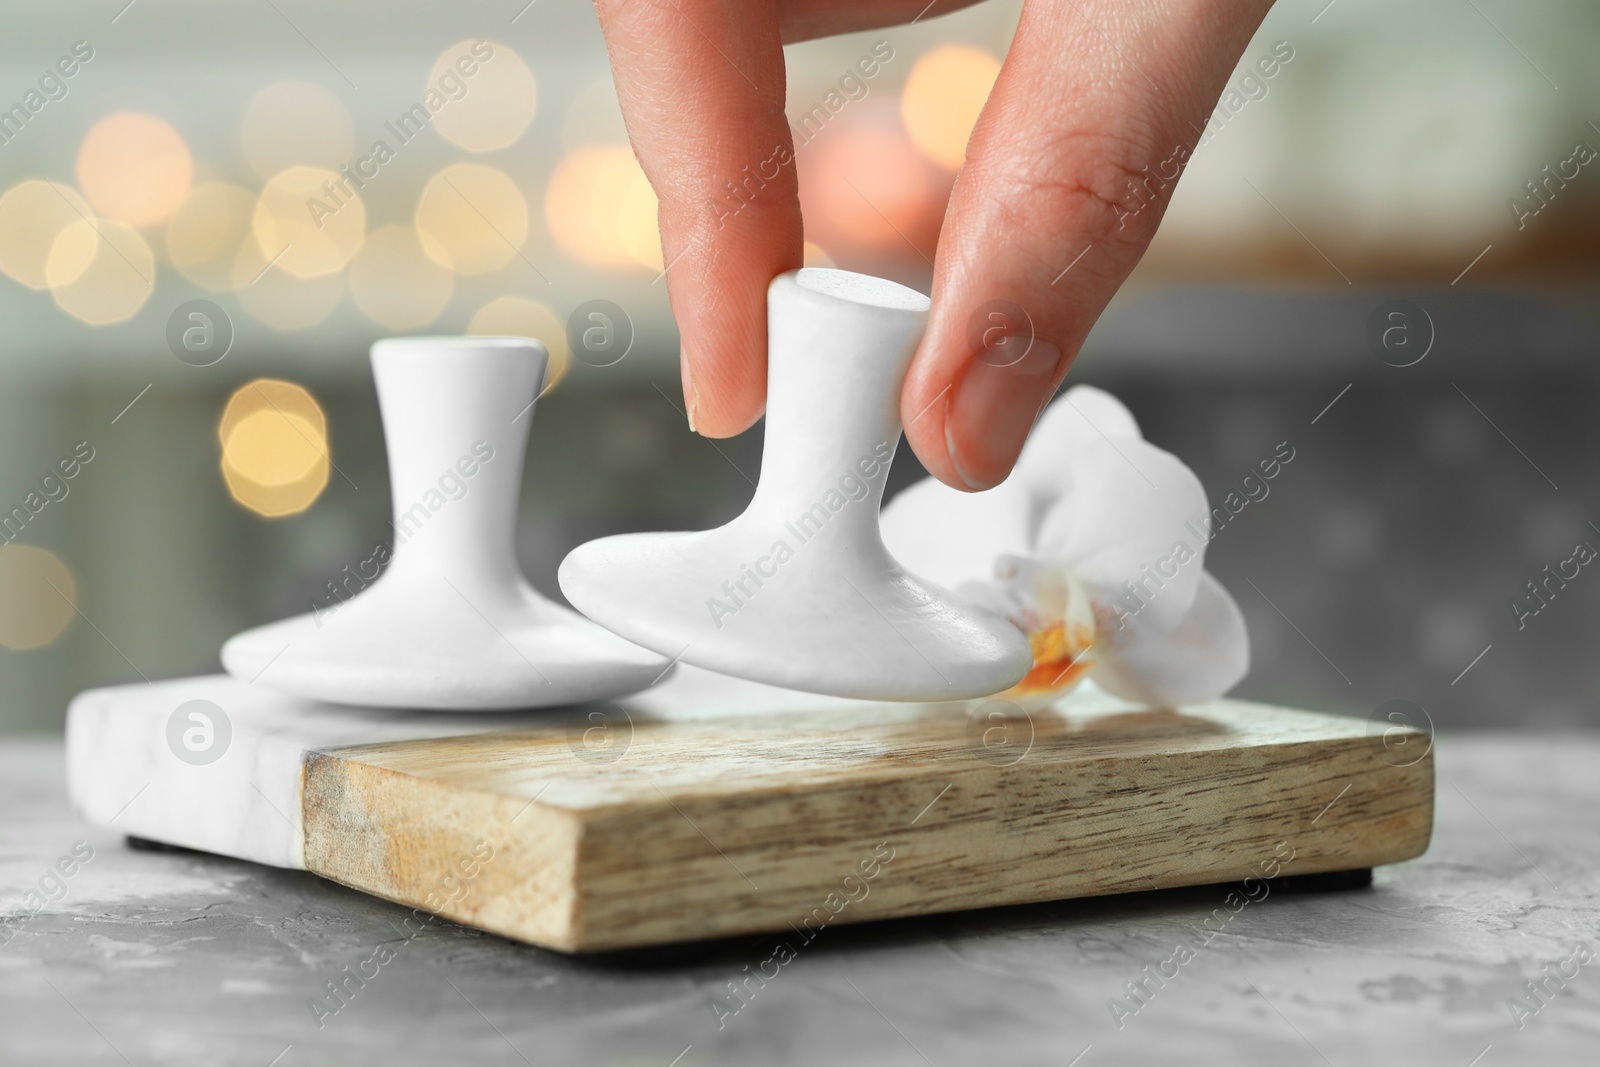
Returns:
point(1102, 188)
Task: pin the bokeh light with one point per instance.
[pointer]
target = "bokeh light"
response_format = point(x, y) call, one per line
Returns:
point(292, 122)
point(489, 95)
point(309, 221)
point(472, 218)
point(280, 299)
point(637, 221)
point(865, 189)
point(134, 168)
point(517, 316)
point(37, 597)
point(32, 215)
point(274, 447)
point(601, 209)
point(395, 283)
point(72, 253)
point(207, 231)
point(944, 95)
point(100, 272)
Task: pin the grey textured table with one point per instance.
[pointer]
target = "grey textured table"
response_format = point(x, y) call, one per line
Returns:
point(178, 958)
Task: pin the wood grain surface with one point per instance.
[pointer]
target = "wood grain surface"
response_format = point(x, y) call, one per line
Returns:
point(690, 830)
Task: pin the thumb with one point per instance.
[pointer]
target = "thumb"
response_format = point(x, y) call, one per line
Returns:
point(1067, 174)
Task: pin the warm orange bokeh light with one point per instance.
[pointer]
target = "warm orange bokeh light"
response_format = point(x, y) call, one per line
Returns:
point(274, 447)
point(865, 190)
point(489, 96)
point(134, 168)
point(637, 221)
point(472, 218)
point(100, 272)
point(944, 95)
point(601, 209)
point(32, 215)
point(309, 222)
point(37, 597)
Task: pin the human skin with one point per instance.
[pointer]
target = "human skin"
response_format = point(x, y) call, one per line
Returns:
point(1090, 94)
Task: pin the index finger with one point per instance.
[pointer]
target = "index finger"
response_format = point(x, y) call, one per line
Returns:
point(701, 83)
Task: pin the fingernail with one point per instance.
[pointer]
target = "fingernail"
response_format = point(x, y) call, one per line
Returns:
point(993, 408)
point(691, 395)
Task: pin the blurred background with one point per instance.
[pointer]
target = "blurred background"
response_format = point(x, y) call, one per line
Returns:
point(1433, 161)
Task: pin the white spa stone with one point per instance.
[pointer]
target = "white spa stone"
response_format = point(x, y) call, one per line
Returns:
point(799, 591)
point(451, 624)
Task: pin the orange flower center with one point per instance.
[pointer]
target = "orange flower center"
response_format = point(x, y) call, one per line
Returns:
point(1060, 658)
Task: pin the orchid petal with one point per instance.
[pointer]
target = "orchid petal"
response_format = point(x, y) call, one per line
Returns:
point(1081, 415)
point(1205, 655)
point(1123, 510)
point(1001, 598)
point(951, 537)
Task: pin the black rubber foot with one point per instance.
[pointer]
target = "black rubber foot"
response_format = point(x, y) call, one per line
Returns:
point(1325, 882)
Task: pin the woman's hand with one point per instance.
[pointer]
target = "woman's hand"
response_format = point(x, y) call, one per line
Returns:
point(1067, 174)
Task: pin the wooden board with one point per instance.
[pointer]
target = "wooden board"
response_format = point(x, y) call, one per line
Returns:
point(642, 830)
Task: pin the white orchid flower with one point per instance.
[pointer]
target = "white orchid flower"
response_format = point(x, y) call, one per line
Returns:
point(1095, 548)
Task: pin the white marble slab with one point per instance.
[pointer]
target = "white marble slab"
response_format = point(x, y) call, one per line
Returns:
point(123, 773)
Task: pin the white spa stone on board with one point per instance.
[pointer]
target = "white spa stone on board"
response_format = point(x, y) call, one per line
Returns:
point(451, 624)
point(799, 591)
